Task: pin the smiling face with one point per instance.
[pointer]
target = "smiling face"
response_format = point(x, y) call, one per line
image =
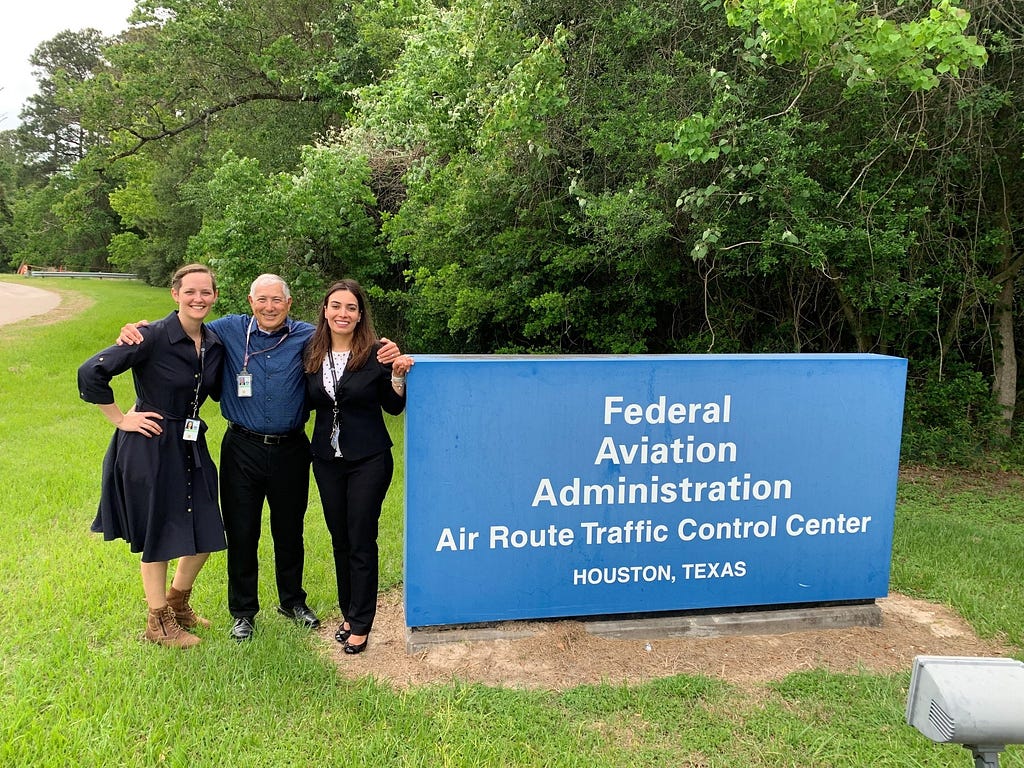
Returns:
point(342, 314)
point(195, 295)
point(269, 305)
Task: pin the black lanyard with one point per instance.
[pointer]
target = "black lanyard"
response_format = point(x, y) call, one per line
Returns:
point(337, 385)
point(336, 426)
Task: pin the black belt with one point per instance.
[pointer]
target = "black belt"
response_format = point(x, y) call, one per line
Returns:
point(265, 439)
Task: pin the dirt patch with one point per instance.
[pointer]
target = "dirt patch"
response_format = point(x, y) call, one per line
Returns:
point(562, 654)
point(71, 303)
point(985, 475)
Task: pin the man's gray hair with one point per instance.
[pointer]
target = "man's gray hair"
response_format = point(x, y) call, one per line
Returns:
point(268, 279)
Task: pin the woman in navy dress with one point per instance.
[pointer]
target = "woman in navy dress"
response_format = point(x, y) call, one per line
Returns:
point(348, 387)
point(159, 483)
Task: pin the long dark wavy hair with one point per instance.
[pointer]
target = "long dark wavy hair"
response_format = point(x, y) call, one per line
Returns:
point(363, 338)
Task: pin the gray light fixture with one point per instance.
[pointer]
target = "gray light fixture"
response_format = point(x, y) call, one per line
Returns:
point(974, 701)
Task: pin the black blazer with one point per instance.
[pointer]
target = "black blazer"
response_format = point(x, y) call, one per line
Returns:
point(362, 395)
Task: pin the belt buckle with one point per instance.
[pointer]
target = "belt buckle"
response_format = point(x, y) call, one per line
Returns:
point(271, 439)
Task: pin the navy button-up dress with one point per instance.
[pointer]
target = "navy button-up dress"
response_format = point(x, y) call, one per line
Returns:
point(159, 493)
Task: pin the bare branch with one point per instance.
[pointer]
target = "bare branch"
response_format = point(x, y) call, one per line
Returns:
point(202, 117)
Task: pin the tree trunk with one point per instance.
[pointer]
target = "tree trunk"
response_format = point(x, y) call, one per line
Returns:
point(1004, 384)
point(850, 312)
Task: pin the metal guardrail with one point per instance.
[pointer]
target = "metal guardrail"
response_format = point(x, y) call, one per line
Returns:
point(111, 275)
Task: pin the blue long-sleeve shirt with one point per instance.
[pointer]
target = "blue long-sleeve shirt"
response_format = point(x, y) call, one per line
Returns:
point(277, 405)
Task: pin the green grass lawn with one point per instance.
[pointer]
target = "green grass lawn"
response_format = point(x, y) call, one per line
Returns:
point(79, 689)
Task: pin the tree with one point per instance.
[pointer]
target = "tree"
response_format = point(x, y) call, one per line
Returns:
point(978, 173)
point(191, 81)
point(576, 159)
point(569, 176)
point(187, 65)
point(57, 212)
point(307, 227)
point(51, 133)
point(9, 174)
point(640, 176)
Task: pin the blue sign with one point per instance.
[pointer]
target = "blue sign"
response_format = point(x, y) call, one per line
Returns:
point(542, 487)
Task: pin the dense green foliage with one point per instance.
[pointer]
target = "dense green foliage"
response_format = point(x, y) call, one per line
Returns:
point(627, 176)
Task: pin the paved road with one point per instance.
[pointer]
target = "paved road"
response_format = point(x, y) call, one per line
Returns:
point(20, 301)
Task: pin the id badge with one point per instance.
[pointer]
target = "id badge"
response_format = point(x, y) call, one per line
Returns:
point(191, 430)
point(244, 384)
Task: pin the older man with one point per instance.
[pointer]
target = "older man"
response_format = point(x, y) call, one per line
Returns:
point(265, 453)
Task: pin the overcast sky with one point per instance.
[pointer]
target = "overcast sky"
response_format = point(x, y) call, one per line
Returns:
point(27, 23)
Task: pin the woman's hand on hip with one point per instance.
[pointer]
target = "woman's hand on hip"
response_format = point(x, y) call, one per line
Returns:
point(144, 422)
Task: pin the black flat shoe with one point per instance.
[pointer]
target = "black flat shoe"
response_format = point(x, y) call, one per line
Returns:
point(301, 615)
point(342, 634)
point(352, 650)
point(243, 629)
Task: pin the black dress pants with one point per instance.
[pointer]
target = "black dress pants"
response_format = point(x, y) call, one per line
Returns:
point(352, 493)
point(251, 472)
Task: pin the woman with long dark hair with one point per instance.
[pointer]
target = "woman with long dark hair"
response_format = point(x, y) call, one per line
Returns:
point(349, 389)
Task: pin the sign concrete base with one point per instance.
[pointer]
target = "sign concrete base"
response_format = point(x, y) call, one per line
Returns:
point(746, 622)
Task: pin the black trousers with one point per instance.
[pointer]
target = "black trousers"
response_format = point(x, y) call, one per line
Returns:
point(251, 473)
point(352, 493)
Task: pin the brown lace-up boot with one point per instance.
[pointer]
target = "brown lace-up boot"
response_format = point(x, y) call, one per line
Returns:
point(186, 617)
point(162, 628)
